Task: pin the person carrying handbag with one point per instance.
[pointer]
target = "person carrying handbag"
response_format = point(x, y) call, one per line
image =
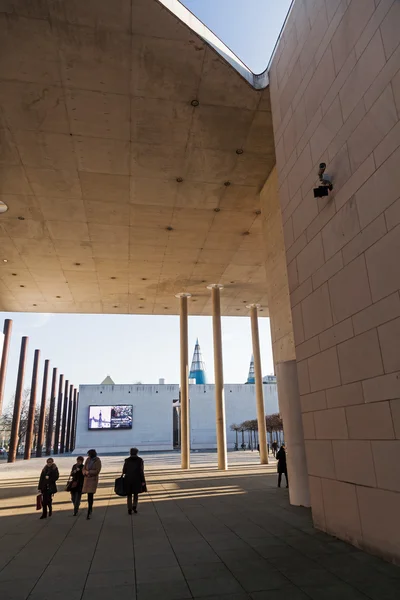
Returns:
point(75, 483)
point(135, 482)
point(47, 486)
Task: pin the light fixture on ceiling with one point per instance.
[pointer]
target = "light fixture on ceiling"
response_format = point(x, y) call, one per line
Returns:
point(77, 264)
point(246, 233)
point(3, 207)
point(115, 306)
point(195, 102)
point(14, 274)
point(34, 304)
point(258, 212)
point(141, 299)
point(165, 307)
point(179, 179)
point(21, 218)
point(5, 260)
point(141, 306)
point(144, 278)
point(113, 278)
point(58, 296)
point(232, 282)
point(239, 151)
point(169, 228)
point(217, 209)
point(227, 183)
point(21, 286)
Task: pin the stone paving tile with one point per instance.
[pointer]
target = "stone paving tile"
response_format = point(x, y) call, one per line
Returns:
point(215, 547)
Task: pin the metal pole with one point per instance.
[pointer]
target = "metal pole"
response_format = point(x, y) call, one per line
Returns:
point(64, 418)
point(219, 377)
point(50, 428)
point(262, 429)
point(184, 368)
point(32, 407)
point(12, 451)
point(58, 418)
point(69, 417)
point(73, 429)
point(7, 329)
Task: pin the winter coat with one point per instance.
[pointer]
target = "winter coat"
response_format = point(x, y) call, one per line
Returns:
point(281, 456)
point(134, 474)
point(77, 475)
point(91, 476)
point(48, 485)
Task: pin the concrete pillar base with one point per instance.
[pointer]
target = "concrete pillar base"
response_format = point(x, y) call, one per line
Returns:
point(289, 405)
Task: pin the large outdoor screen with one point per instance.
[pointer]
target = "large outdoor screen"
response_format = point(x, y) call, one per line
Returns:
point(110, 417)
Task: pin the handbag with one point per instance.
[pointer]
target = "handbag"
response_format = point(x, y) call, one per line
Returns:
point(71, 485)
point(119, 486)
point(39, 501)
point(144, 487)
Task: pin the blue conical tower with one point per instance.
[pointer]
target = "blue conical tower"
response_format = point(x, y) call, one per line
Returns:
point(251, 376)
point(198, 369)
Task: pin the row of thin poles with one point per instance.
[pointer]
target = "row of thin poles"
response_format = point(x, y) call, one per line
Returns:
point(219, 380)
point(62, 416)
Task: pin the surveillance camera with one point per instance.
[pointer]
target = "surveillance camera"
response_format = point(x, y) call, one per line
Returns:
point(325, 183)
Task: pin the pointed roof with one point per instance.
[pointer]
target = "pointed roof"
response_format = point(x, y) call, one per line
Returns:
point(198, 368)
point(108, 381)
point(251, 375)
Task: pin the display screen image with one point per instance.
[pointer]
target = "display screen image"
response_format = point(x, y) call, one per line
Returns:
point(111, 417)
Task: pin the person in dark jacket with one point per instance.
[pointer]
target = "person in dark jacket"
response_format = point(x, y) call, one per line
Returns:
point(135, 482)
point(47, 486)
point(282, 467)
point(76, 481)
point(274, 447)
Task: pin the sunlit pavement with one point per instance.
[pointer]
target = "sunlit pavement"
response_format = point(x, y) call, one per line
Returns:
point(198, 534)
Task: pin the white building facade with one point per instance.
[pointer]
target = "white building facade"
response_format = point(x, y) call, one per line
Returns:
point(152, 415)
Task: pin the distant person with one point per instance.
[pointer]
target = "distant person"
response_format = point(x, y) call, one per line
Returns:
point(47, 486)
point(134, 479)
point(76, 483)
point(282, 467)
point(91, 470)
point(274, 447)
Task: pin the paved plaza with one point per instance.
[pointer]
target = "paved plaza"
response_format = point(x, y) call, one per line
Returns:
point(198, 534)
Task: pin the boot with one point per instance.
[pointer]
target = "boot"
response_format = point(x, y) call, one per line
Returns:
point(50, 511)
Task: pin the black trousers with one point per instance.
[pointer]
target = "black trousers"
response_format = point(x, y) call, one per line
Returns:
point(280, 478)
point(130, 490)
point(90, 498)
point(47, 500)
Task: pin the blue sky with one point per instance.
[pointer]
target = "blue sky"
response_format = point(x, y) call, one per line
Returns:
point(135, 348)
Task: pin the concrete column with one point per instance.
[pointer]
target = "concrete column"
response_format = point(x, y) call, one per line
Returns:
point(58, 417)
point(42, 415)
point(219, 377)
point(289, 405)
point(4, 358)
point(12, 451)
point(185, 421)
point(32, 407)
point(64, 418)
point(50, 427)
point(262, 428)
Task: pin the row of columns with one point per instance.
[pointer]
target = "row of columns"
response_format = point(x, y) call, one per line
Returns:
point(61, 429)
point(219, 380)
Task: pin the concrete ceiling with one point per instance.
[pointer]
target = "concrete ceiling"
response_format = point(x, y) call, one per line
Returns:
point(96, 130)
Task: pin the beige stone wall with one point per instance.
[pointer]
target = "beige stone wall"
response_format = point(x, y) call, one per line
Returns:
point(277, 289)
point(335, 90)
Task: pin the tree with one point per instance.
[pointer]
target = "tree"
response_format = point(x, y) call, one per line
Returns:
point(236, 429)
point(274, 423)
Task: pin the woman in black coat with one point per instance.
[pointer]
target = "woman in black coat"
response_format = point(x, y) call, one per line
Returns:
point(135, 482)
point(76, 483)
point(282, 467)
point(47, 486)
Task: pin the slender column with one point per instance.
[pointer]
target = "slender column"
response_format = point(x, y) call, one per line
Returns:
point(64, 418)
point(42, 415)
point(12, 451)
point(58, 417)
point(289, 405)
point(262, 428)
point(32, 407)
point(185, 423)
point(73, 431)
point(69, 417)
point(50, 427)
point(219, 377)
point(4, 358)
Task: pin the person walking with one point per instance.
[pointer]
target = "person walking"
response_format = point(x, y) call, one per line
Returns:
point(282, 467)
point(76, 483)
point(135, 482)
point(47, 486)
point(91, 470)
point(274, 446)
